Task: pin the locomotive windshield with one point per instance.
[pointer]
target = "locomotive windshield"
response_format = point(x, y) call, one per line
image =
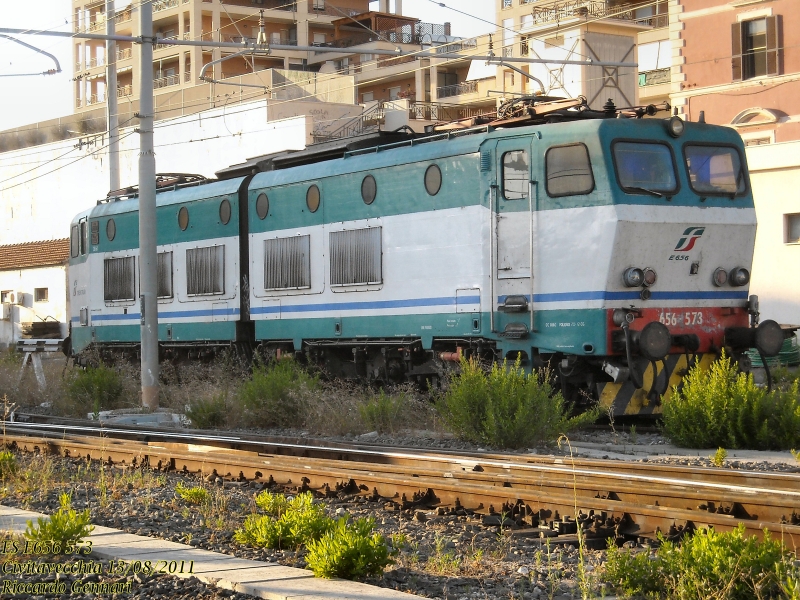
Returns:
point(715, 170)
point(645, 168)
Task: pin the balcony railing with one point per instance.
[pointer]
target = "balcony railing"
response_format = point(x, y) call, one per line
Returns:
point(163, 82)
point(78, 66)
point(320, 7)
point(124, 15)
point(124, 53)
point(418, 33)
point(591, 9)
point(654, 77)
point(286, 5)
point(447, 91)
point(164, 42)
point(428, 111)
point(187, 35)
point(390, 62)
point(187, 76)
point(160, 5)
point(655, 21)
point(124, 90)
point(97, 61)
point(467, 44)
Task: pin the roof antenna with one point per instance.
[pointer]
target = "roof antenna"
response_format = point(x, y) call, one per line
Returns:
point(702, 117)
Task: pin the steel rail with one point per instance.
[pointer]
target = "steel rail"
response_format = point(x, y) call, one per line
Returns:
point(632, 508)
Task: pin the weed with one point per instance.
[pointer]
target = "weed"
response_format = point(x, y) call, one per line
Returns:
point(724, 566)
point(506, 408)
point(276, 393)
point(207, 413)
point(722, 407)
point(95, 388)
point(718, 458)
point(796, 454)
point(302, 521)
point(442, 561)
point(349, 550)
point(381, 411)
point(8, 464)
point(272, 504)
point(193, 495)
point(65, 529)
point(633, 435)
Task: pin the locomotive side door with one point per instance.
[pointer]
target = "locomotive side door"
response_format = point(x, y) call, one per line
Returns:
point(513, 193)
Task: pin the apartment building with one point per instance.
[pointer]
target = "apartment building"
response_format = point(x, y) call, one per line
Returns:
point(611, 30)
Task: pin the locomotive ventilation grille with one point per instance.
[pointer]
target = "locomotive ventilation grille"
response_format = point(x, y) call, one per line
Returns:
point(356, 256)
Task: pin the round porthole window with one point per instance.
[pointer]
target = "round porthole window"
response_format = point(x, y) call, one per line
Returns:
point(262, 206)
point(183, 218)
point(369, 189)
point(433, 180)
point(225, 211)
point(111, 230)
point(312, 198)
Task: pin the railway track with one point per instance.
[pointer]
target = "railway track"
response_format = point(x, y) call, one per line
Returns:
point(546, 496)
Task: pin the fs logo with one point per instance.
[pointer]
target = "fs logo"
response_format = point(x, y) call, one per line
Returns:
point(690, 236)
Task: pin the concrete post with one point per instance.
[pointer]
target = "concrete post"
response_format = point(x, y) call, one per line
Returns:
point(111, 99)
point(148, 260)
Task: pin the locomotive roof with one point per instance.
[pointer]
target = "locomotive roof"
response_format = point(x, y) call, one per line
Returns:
point(165, 198)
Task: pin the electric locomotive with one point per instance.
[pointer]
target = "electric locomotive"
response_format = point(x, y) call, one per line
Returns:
point(616, 250)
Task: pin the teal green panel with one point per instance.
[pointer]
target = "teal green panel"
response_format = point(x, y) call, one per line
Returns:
point(117, 333)
point(401, 190)
point(81, 338)
point(204, 223)
point(389, 326)
point(568, 330)
point(189, 332)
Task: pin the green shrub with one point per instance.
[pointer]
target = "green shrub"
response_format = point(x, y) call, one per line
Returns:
point(207, 413)
point(8, 464)
point(380, 412)
point(65, 530)
point(272, 504)
point(349, 550)
point(506, 408)
point(724, 408)
point(723, 566)
point(302, 521)
point(95, 388)
point(193, 495)
point(275, 393)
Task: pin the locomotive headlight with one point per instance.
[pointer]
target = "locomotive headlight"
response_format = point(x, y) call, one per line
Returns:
point(675, 126)
point(720, 277)
point(655, 341)
point(769, 338)
point(649, 277)
point(633, 277)
point(739, 276)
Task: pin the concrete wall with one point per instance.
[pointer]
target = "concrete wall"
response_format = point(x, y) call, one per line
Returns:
point(68, 180)
point(775, 176)
point(25, 281)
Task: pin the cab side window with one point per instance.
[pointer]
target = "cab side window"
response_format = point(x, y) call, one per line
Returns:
point(569, 170)
point(515, 175)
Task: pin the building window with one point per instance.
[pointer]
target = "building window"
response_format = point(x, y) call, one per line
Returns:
point(754, 48)
point(6, 296)
point(507, 3)
point(319, 39)
point(394, 93)
point(515, 175)
point(40, 294)
point(367, 97)
point(792, 228)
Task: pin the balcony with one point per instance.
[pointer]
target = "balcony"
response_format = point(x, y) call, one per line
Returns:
point(320, 7)
point(654, 77)
point(418, 34)
point(391, 62)
point(187, 76)
point(448, 91)
point(558, 12)
point(467, 44)
point(167, 81)
point(97, 61)
point(124, 53)
point(428, 111)
point(124, 90)
point(163, 42)
point(160, 5)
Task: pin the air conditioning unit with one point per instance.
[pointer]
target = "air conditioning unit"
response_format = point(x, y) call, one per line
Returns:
point(18, 297)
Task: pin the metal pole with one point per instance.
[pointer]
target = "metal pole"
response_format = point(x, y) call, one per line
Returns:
point(111, 99)
point(148, 268)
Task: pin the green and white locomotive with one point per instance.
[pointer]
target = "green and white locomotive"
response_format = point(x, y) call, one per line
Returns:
point(617, 250)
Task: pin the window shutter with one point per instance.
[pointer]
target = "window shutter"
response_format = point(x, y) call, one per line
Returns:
point(772, 45)
point(736, 52)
